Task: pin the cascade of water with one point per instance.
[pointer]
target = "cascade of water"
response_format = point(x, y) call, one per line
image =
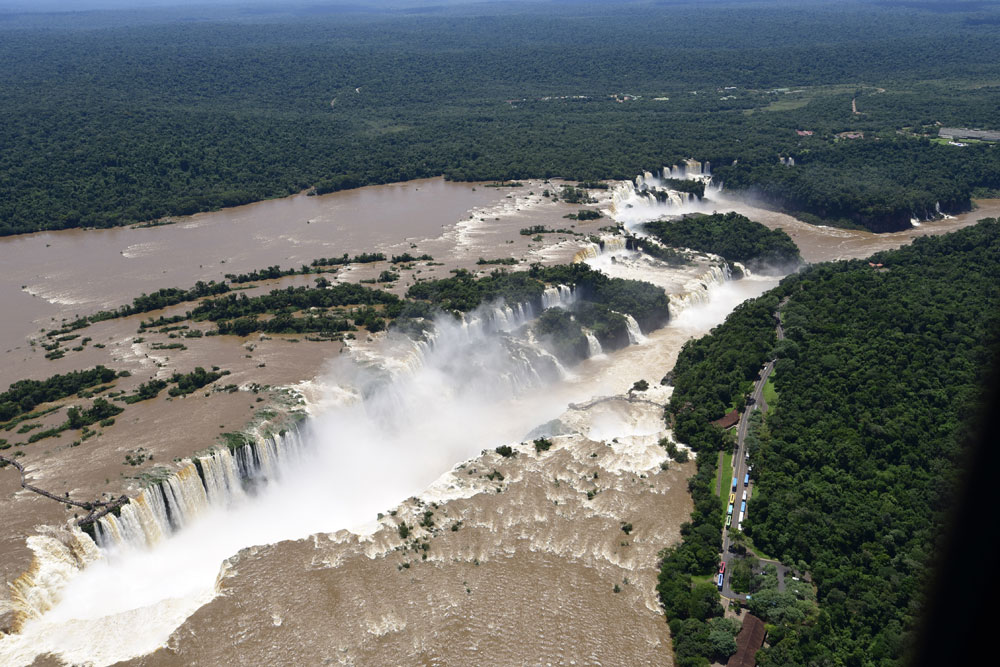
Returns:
point(550, 298)
point(594, 346)
point(222, 483)
point(647, 191)
point(499, 354)
point(214, 479)
point(613, 243)
point(589, 251)
point(696, 291)
point(57, 557)
point(559, 296)
point(607, 246)
point(634, 332)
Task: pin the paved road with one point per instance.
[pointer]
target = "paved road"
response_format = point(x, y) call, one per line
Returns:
point(740, 468)
point(739, 472)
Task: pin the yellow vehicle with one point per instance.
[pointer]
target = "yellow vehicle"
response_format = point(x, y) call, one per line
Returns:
point(732, 497)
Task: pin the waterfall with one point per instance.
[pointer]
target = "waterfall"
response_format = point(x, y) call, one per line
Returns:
point(647, 192)
point(589, 251)
point(693, 167)
point(559, 296)
point(215, 479)
point(606, 246)
point(494, 359)
point(498, 317)
point(550, 297)
point(612, 244)
point(594, 346)
point(634, 332)
point(696, 290)
point(58, 555)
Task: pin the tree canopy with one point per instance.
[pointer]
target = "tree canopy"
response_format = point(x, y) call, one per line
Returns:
point(879, 378)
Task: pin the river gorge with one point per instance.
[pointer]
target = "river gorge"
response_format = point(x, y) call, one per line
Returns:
point(290, 548)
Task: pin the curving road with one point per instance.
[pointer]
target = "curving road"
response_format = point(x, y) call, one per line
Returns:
point(740, 464)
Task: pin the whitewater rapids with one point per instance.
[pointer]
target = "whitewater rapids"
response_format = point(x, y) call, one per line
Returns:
point(395, 417)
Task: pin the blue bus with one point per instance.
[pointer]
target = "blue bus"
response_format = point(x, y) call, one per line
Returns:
point(746, 480)
point(743, 507)
point(734, 483)
point(730, 510)
point(719, 584)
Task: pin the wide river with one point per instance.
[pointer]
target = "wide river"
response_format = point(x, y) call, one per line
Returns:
point(113, 613)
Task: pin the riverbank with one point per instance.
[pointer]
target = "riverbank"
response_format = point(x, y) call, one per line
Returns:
point(169, 429)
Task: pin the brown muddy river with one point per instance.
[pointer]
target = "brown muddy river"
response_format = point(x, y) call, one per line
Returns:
point(825, 244)
point(62, 274)
point(58, 274)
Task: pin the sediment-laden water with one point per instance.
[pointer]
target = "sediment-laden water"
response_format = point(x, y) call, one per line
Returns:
point(388, 417)
point(402, 411)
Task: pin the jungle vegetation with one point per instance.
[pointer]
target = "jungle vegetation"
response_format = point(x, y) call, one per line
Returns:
point(24, 395)
point(731, 235)
point(879, 378)
point(600, 303)
point(110, 119)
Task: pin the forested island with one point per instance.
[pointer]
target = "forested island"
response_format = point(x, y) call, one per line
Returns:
point(731, 235)
point(600, 303)
point(879, 378)
point(218, 112)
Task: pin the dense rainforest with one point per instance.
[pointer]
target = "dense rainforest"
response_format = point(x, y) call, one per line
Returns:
point(601, 304)
point(879, 377)
point(732, 236)
point(877, 183)
point(109, 119)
